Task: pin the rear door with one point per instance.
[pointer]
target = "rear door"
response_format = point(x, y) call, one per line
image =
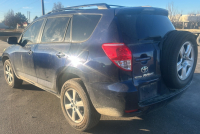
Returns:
point(83, 26)
point(25, 67)
point(51, 53)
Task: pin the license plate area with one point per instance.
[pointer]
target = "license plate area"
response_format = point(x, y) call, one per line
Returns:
point(148, 91)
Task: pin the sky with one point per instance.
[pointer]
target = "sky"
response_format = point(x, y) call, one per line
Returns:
point(35, 8)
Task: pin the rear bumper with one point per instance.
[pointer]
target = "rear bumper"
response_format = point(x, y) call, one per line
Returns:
point(116, 98)
point(155, 103)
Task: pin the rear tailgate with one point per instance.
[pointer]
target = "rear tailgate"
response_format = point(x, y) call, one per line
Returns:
point(142, 28)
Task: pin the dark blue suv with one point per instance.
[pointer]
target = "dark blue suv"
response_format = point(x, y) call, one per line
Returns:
point(119, 61)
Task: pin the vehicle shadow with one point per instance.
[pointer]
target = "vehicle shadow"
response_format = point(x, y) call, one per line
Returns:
point(27, 86)
point(157, 122)
point(149, 123)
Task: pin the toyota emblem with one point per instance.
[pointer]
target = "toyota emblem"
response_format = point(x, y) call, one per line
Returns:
point(144, 69)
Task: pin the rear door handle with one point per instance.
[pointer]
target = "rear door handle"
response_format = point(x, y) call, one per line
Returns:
point(60, 55)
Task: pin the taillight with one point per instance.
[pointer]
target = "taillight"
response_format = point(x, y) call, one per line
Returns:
point(119, 54)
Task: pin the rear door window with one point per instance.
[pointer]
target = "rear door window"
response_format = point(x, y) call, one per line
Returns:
point(31, 34)
point(83, 26)
point(54, 30)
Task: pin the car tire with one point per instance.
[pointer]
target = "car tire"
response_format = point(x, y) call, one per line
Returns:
point(10, 76)
point(177, 62)
point(71, 105)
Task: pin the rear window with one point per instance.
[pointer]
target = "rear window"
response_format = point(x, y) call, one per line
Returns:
point(83, 26)
point(136, 27)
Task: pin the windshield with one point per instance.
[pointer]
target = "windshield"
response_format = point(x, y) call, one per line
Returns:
point(136, 27)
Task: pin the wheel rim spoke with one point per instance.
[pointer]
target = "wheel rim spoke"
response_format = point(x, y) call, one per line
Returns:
point(188, 51)
point(189, 63)
point(183, 72)
point(68, 96)
point(179, 65)
point(8, 78)
point(74, 95)
point(182, 51)
point(7, 72)
point(79, 103)
point(79, 114)
point(68, 106)
point(73, 115)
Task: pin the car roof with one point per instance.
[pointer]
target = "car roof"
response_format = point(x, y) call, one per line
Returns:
point(103, 8)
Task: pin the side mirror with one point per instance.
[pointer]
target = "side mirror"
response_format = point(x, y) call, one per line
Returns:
point(12, 40)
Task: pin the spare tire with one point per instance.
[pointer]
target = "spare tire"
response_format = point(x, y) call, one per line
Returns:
point(178, 58)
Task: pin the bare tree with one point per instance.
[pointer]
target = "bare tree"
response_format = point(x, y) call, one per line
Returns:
point(57, 5)
point(174, 14)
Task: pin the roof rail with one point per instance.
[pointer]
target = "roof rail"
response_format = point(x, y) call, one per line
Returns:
point(99, 6)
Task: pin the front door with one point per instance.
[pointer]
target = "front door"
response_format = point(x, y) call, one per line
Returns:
point(28, 43)
point(27, 62)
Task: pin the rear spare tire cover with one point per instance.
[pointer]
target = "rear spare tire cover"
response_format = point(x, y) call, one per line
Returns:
point(178, 58)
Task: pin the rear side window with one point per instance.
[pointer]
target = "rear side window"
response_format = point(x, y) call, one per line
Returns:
point(83, 26)
point(54, 30)
point(136, 27)
point(31, 34)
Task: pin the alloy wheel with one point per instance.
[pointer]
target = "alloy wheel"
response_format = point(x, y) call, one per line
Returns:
point(9, 74)
point(74, 105)
point(185, 60)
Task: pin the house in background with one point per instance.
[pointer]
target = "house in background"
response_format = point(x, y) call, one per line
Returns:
point(24, 25)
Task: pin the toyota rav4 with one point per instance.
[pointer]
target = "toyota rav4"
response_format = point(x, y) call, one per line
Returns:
point(113, 60)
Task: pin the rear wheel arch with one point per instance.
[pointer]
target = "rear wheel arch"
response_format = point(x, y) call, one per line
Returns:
point(62, 78)
point(66, 75)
